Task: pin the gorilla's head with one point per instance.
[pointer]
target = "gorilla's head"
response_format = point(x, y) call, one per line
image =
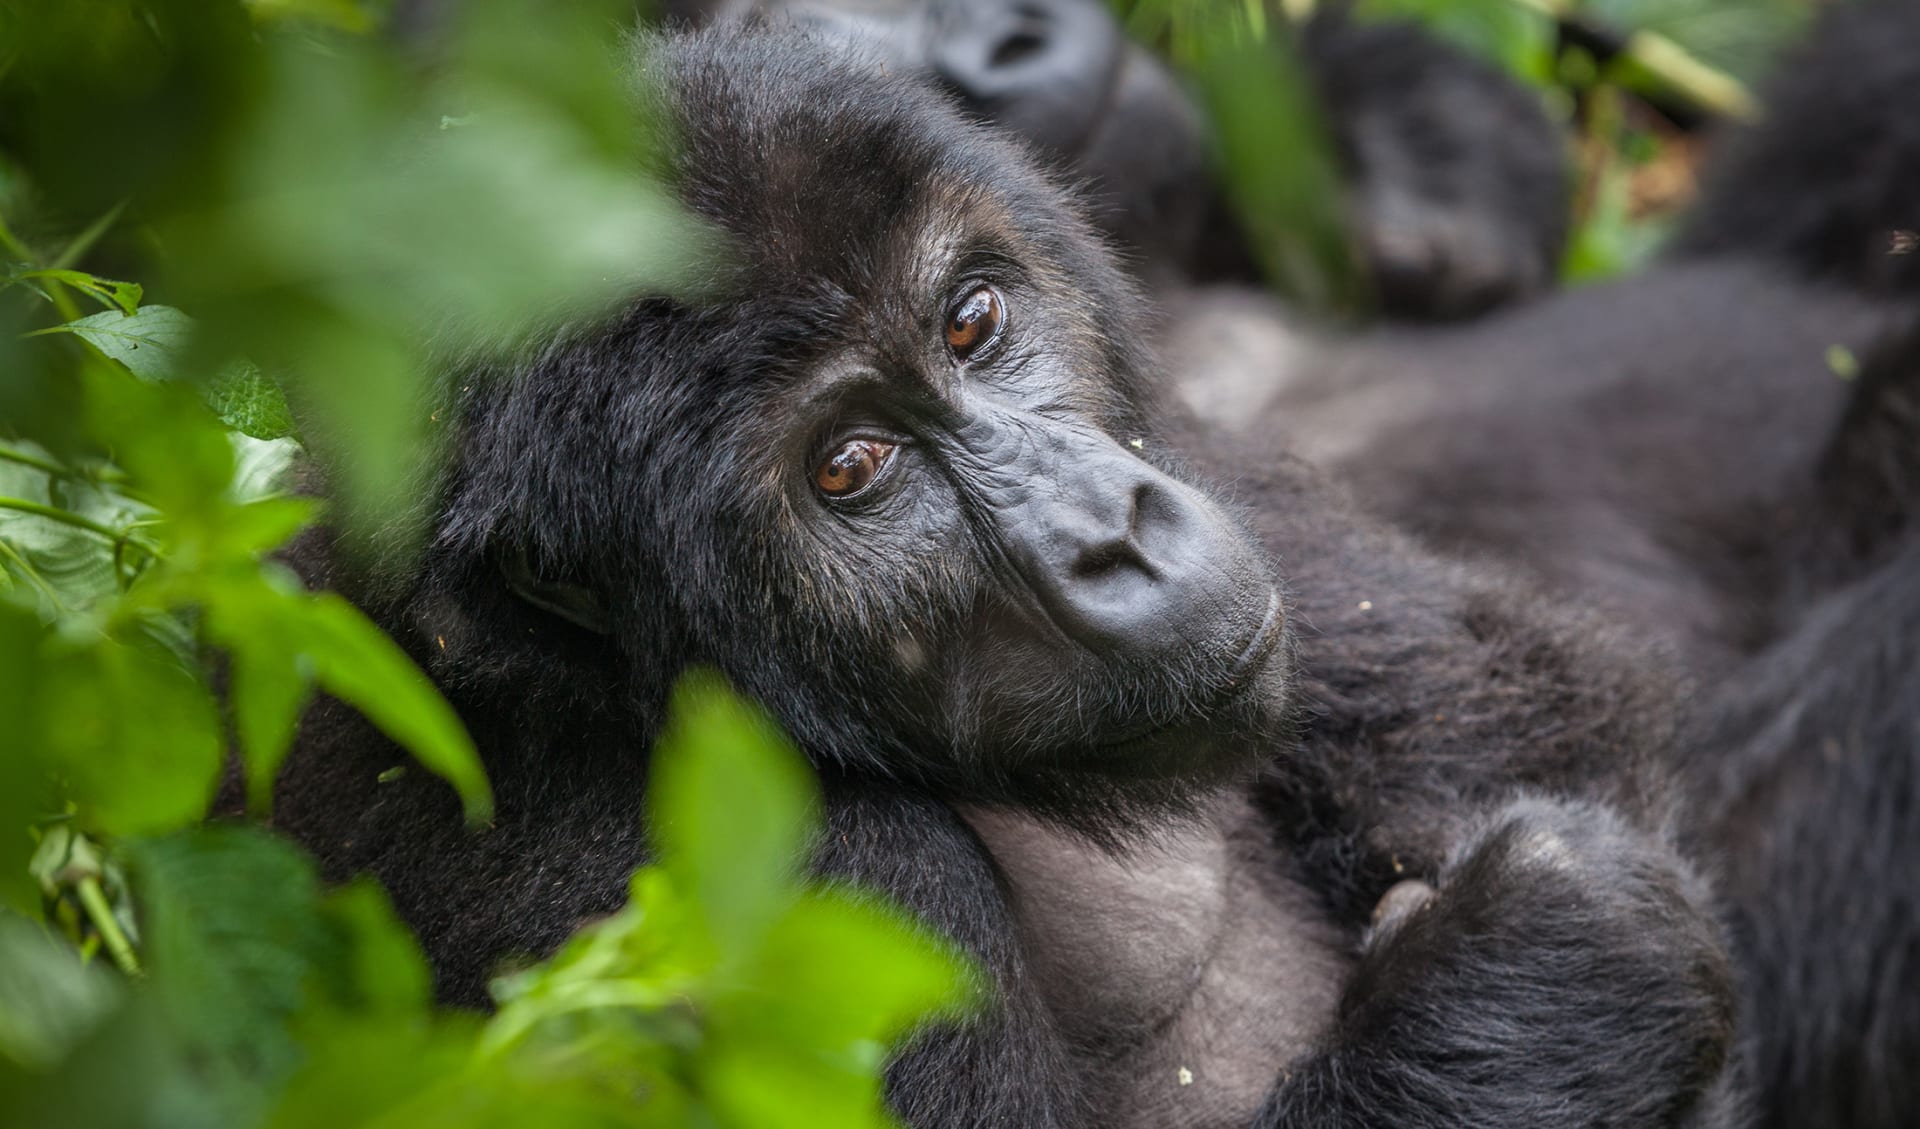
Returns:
point(893, 473)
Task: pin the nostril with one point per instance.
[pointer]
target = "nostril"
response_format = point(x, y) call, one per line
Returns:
point(1137, 506)
point(1102, 559)
point(1016, 49)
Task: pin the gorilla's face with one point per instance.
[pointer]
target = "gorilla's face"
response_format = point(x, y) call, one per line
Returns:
point(893, 475)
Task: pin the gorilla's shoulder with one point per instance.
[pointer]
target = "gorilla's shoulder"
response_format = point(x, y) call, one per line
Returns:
point(1829, 177)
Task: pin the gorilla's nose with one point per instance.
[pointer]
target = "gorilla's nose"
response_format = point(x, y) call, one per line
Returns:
point(1129, 561)
point(1041, 67)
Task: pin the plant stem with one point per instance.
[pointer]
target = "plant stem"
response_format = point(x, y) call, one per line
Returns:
point(46, 466)
point(107, 926)
point(64, 517)
point(33, 576)
point(1672, 64)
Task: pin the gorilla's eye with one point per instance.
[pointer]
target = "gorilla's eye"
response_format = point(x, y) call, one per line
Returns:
point(852, 467)
point(974, 322)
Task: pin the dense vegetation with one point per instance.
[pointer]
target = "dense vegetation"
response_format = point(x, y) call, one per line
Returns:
point(331, 212)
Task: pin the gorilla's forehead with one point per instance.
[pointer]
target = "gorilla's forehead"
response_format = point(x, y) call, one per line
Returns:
point(828, 169)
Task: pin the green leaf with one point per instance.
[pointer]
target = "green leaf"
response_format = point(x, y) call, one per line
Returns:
point(64, 566)
point(355, 661)
point(157, 344)
point(1277, 163)
point(48, 999)
point(284, 639)
point(396, 1075)
point(133, 736)
point(22, 787)
point(262, 467)
point(731, 807)
point(382, 969)
point(247, 401)
point(845, 969)
point(152, 343)
point(1517, 37)
point(170, 445)
point(270, 684)
point(233, 938)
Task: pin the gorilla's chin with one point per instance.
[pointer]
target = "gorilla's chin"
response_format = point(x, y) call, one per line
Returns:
point(1232, 728)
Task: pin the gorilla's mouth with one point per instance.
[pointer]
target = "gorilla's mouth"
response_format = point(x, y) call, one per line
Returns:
point(1211, 702)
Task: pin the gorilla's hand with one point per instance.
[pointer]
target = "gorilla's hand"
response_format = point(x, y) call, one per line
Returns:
point(1564, 973)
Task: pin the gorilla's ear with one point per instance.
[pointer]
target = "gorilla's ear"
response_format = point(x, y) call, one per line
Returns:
point(575, 603)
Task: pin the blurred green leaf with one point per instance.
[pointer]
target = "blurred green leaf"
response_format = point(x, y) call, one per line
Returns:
point(1517, 37)
point(356, 662)
point(301, 191)
point(48, 999)
point(233, 936)
point(379, 966)
point(23, 792)
point(1277, 162)
point(270, 683)
point(731, 807)
point(284, 638)
point(263, 467)
point(1741, 37)
point(133, 737)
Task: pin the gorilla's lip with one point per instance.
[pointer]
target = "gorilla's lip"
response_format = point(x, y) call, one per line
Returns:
point(1265, 638)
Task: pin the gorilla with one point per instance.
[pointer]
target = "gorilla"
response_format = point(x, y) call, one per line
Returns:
point(1392, 841)
point(1691, 451)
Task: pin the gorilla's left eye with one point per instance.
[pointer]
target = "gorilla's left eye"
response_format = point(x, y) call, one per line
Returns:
point(974, 322)
point(852, 468)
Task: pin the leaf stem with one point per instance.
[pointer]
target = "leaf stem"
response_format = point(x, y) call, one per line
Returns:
point(107, 926)
point(33, 576)
point(65, 517)
point(1671, 64)
point(45, 466)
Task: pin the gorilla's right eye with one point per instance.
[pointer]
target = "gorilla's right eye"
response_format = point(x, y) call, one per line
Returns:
point(852, 468)
point(974, 322)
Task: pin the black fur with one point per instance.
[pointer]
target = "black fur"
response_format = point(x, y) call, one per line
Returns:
point(1692, 450)
point(1828, 182)
point(1460, 181)
point(1424, 720)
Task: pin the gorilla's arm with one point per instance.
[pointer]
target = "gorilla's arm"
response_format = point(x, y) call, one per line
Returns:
point(1570, 969)
point(1809, 783)
point(1566, 974)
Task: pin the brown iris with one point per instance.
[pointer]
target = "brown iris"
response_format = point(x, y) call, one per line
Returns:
point(852, 467)
point(974, 322)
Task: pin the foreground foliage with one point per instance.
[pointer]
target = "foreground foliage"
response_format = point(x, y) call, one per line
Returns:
point(323, 215)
